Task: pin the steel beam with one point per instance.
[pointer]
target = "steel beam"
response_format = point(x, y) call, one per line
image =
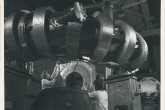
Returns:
point(146, 12)
point(150, 33)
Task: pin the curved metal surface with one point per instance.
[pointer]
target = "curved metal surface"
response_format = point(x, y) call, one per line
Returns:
point(104, 35)
point(22, 29)
point(72, 40)
point(129, 44)
point(40, 30)
point(82, 68)
point(11, 32)
point(150, 87)
point(142, 53)
point(80, 12)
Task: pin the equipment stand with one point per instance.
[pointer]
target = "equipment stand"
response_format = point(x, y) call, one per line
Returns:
point(123, 93)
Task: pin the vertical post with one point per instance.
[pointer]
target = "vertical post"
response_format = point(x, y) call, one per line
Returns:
point(108, 9)
point(108, 72)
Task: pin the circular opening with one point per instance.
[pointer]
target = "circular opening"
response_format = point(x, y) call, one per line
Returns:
point(74, 80)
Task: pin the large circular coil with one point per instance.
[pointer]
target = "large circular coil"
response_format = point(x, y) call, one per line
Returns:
point(84, 69)
point(104, 34)
point(22, 29)
point(40, 30)
point(11, 33)
point(128, 46)
point(141, 54)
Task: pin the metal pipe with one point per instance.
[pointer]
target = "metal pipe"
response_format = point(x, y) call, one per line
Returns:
point(108, 9)
point(99, 5)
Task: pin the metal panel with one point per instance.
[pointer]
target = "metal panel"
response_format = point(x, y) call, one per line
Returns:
point(121, 94)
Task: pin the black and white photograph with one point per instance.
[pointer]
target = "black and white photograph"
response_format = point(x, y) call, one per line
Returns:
point(63, 54)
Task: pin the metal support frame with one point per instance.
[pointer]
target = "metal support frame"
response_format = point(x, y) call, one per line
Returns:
point(146, 12)
point(150, 33)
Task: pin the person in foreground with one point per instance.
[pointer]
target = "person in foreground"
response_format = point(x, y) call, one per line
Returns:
point(99, 96)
